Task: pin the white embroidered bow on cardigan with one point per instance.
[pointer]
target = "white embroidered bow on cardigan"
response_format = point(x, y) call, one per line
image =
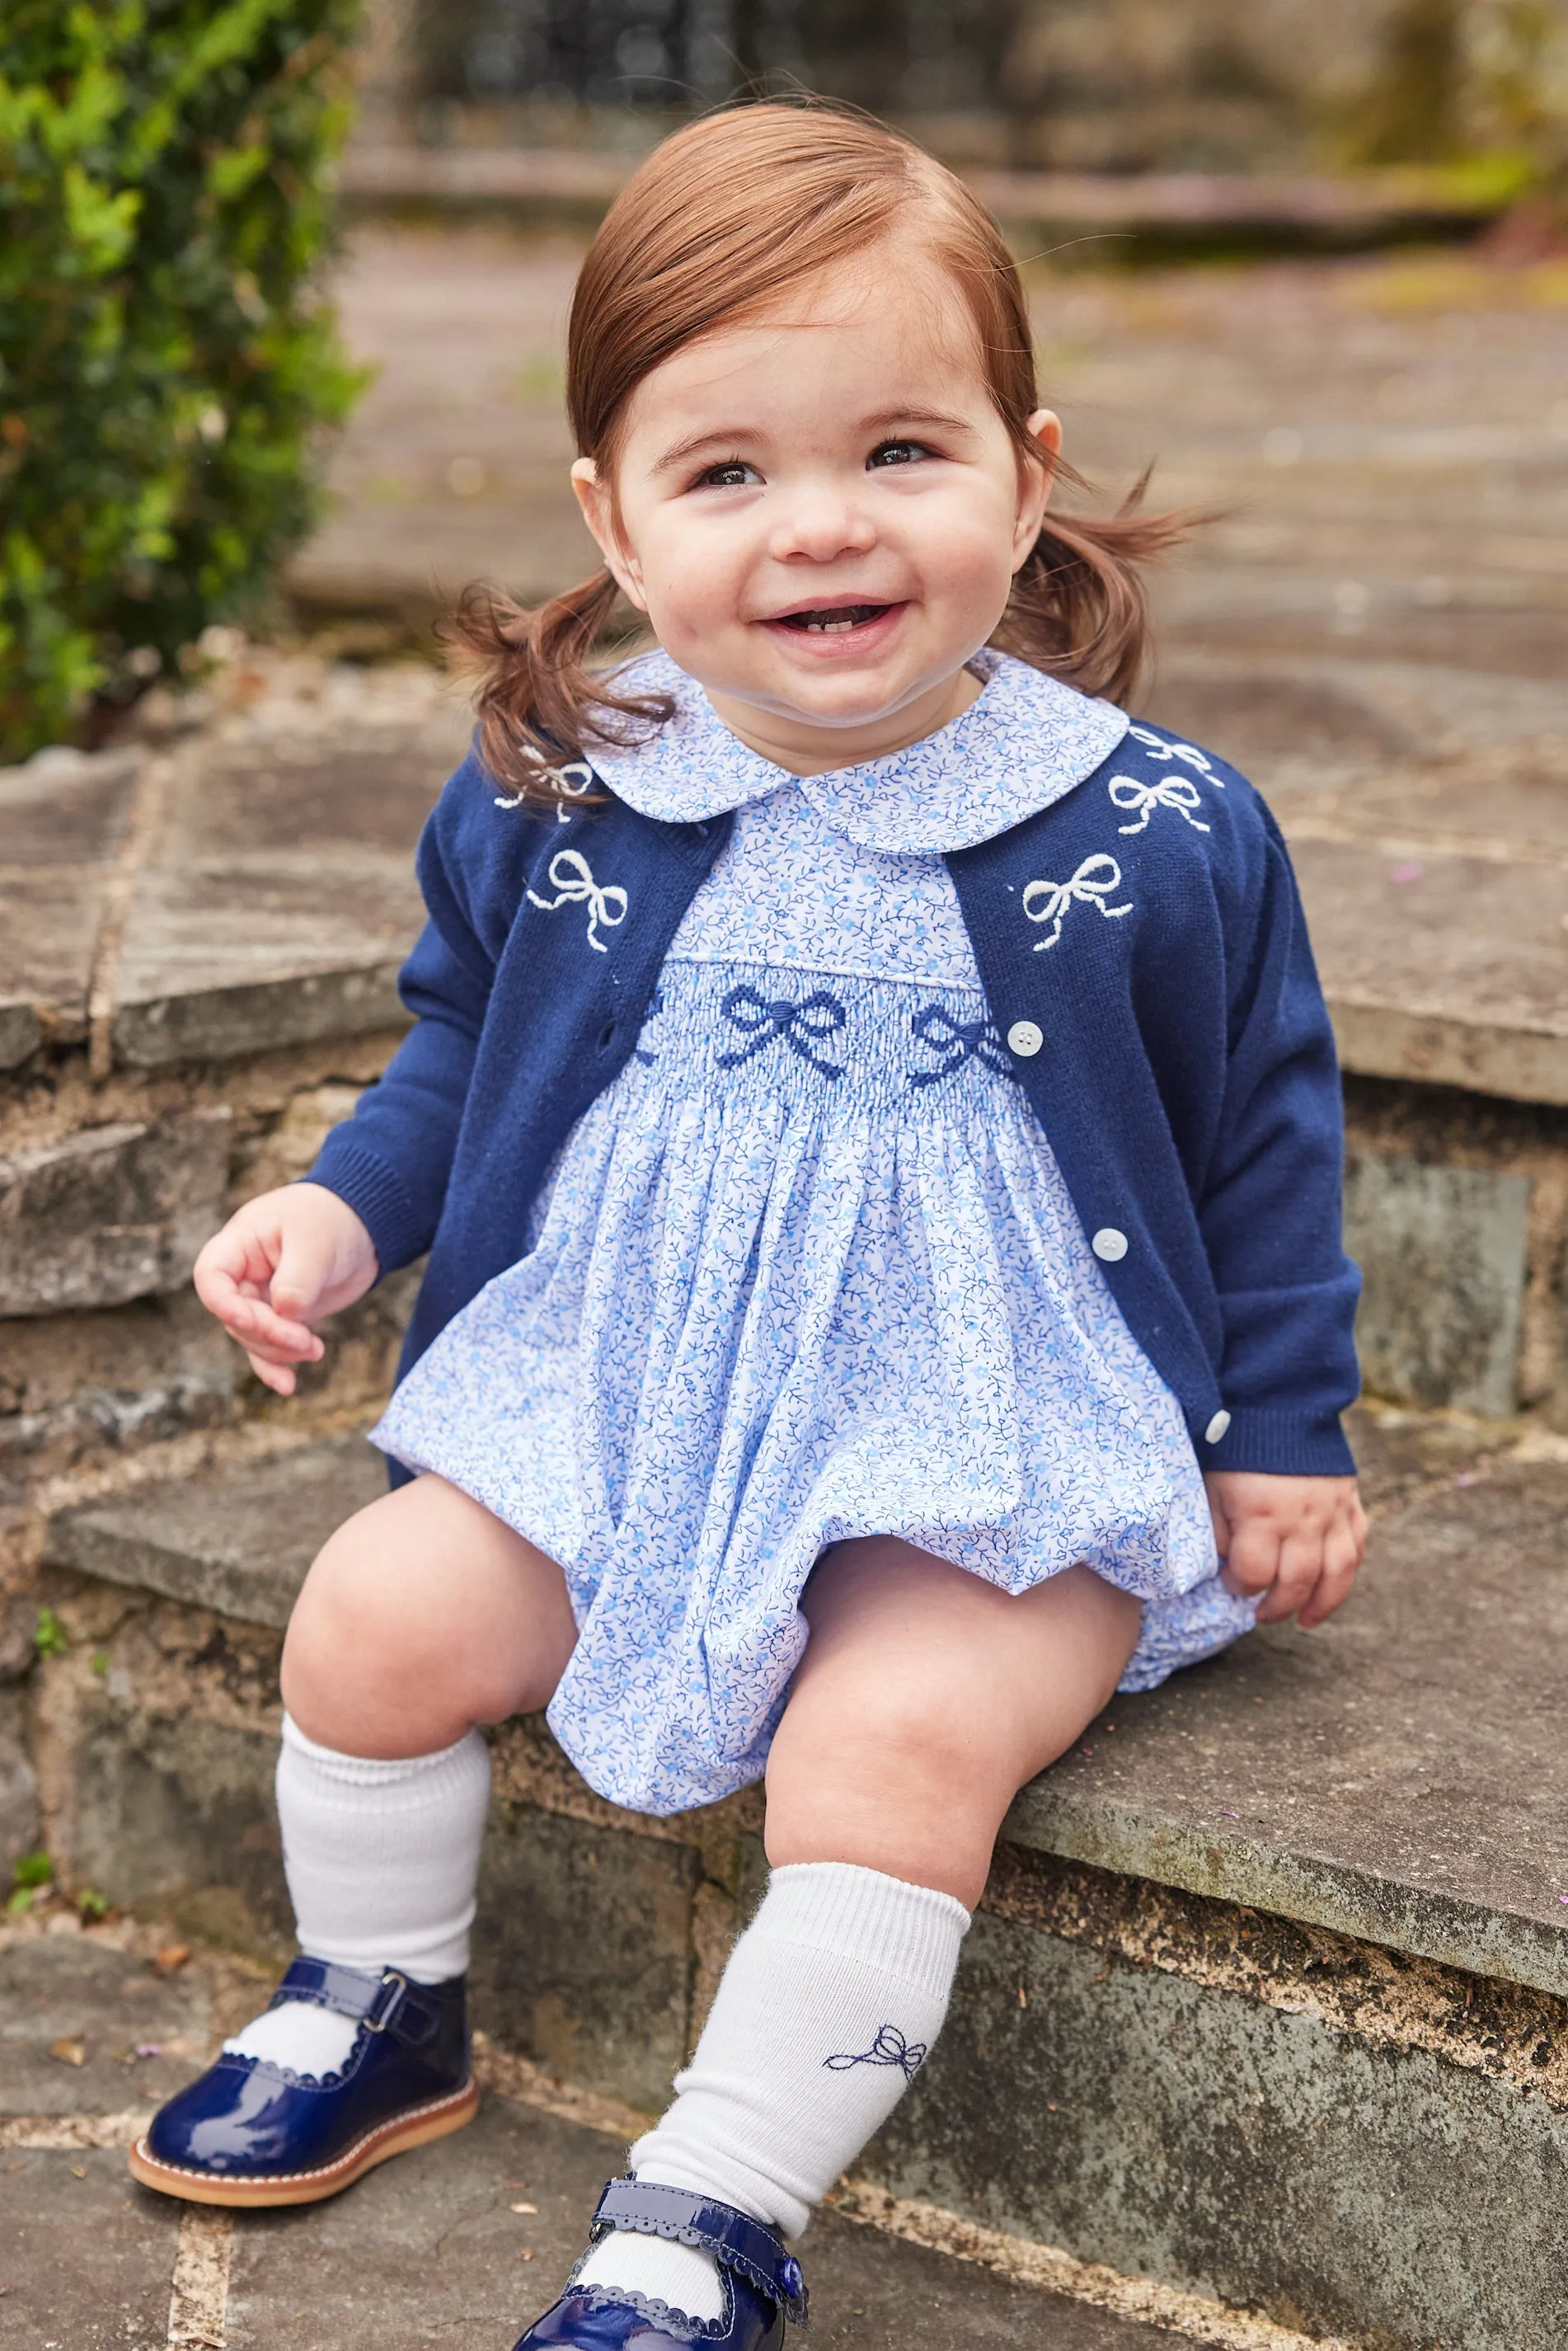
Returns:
point(1091, 885)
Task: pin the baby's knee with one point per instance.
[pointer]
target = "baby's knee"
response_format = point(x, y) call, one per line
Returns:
point(903, 1740)
point(359, 1627)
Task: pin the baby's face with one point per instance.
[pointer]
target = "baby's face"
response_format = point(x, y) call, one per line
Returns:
point(822, 513)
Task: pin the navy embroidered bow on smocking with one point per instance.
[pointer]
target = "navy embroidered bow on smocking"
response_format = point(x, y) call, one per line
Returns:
point(810, 1022)
point(889, 2048)
point(960, 1040)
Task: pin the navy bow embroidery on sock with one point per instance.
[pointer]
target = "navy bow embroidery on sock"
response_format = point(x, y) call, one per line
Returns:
point(889, 2048)
point(960, 1040)
point(810, 1022)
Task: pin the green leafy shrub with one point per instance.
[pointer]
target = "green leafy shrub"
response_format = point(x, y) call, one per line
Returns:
point(167, 369)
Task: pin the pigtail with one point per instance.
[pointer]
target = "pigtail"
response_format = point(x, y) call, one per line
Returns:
point(1079, 606)
point(537, 701)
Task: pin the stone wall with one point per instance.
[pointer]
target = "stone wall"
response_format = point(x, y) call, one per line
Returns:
point(1074, 84)
point(1141, 85)
point(111, 1371)
point(197, 943)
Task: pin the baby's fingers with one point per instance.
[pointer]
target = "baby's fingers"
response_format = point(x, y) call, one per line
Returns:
point(278, 1377)
point(262, 1330)
point(1300, 1566)
point(1342, 1552)
point(1252, 1558)
point(232, 1267)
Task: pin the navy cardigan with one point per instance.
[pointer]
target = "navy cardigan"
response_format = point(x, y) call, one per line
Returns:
point(1154, 985)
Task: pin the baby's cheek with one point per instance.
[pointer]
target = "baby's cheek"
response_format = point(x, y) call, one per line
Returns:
point(969, 570)
point(692, 595)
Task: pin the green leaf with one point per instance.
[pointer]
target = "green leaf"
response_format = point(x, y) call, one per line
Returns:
point(33, 1869)
point(50, 1640)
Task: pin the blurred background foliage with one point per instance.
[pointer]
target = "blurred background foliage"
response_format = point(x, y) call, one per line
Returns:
point(167, 364)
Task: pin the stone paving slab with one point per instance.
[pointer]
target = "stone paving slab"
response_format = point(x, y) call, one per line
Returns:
point(117, 1212)
point(1449, 968)
point(48, 920)
point(241, 1543)
point(74, 1989)
point(86, 2256)
point(254, 888)
point(1397, 1774)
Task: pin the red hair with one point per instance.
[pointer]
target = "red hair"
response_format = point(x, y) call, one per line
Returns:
point(722, 220)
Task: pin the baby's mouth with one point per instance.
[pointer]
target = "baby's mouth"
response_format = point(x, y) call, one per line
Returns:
point(832, 620)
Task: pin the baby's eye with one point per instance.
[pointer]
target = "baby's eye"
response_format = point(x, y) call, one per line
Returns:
point(735, 474)
point(897, 452)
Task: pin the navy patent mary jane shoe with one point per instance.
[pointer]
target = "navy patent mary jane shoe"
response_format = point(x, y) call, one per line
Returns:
point(763, 2289)
point(250, 2132)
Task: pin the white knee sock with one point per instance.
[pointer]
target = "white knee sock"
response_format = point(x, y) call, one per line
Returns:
point(830, 2000)
point(381, 1860)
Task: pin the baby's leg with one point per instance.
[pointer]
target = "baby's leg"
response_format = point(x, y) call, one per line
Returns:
point(423, 1616)
point(925, 1700)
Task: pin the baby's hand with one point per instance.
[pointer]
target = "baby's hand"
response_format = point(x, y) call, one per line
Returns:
point(282, 1260)
point(1297, 1541)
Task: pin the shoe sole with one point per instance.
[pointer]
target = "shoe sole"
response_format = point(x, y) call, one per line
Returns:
point(420, 2125)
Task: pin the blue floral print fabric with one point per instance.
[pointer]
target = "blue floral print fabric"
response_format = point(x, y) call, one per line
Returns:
point(807, 1271)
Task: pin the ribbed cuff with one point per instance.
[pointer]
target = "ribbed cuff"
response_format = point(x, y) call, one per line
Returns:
point(373, 1770)
point(1278, 1445)
point(858, 1913)
point(378, 1197)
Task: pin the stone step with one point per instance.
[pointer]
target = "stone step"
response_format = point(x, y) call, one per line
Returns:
point(1298, 1917)
point(543, 187)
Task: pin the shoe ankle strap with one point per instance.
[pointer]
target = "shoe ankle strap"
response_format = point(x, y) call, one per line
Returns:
point(384, 2003)
point(647, 2209)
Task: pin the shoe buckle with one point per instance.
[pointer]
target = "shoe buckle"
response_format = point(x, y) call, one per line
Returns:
point(792, 2283)
point(381, 2010)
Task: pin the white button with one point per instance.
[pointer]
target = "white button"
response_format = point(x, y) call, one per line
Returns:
point(1109, 1243)
point(1216, 1428)
point(1025, 1040)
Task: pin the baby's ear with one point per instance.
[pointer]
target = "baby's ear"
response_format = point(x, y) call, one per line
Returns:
point(593, 499)
point(1046, 427)
point(597, 508)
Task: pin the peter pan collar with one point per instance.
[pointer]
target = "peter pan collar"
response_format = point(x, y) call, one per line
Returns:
point(1025, 741)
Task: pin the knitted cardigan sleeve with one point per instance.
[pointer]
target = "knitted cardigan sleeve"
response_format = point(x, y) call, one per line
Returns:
point(1270, 1207)
point(392, 1159)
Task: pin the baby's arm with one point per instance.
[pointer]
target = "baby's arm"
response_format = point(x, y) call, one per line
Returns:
point(374, 1198)
point(1296, 1540)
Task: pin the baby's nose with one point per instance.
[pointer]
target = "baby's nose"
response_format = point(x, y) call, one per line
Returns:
point(820, 525)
